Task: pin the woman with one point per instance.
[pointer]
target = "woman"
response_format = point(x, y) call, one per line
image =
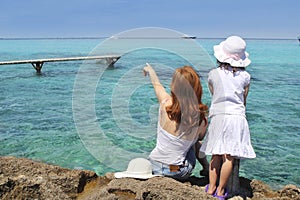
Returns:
point(181, 123)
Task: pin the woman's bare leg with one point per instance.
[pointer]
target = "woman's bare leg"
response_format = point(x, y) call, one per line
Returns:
point(201, 157)
point(205, 165)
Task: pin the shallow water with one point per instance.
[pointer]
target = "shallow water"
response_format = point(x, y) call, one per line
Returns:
point(74, 116)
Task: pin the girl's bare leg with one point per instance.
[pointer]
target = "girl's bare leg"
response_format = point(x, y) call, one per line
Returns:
point(214, 171)
point(225, 173)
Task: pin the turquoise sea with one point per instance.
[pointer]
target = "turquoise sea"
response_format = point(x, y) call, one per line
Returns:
point(82, 115)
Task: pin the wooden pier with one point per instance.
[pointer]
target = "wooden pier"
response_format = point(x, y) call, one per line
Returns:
point(38, 63)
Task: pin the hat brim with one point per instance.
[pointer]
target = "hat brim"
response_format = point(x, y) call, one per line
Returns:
point(126, 174)
point(225, 58)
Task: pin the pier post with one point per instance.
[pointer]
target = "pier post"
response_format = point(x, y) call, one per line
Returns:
point(111, 61)
point(233, 184)
point(37, 66)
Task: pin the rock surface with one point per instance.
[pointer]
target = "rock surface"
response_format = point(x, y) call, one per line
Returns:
point(22, 178)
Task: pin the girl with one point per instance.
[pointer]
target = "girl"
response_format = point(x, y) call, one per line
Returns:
point(228, 134)
point(181, 123)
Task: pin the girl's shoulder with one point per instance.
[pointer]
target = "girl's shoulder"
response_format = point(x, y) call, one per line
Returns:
point(245, 74)
point(213, 72)
point(247, 77)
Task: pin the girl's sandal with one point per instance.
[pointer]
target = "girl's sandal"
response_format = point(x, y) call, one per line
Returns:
point(223, 197)
point(206, 190)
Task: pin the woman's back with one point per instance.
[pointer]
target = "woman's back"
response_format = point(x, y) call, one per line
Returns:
point(172, 144)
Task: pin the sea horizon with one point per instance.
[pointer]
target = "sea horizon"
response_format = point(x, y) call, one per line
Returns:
point(106, 37)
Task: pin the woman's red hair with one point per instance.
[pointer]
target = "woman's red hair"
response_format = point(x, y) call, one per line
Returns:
point(187, 109)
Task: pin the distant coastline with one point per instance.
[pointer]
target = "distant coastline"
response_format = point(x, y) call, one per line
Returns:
point(50, 38)
point(107, 37)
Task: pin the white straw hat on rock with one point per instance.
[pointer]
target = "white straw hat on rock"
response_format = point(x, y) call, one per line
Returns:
point(140, 168)
point(232, 51)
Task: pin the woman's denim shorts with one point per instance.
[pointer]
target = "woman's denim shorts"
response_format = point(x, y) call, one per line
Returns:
point(183, 173)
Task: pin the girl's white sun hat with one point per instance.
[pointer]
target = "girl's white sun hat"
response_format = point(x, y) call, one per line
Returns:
point(232, 51)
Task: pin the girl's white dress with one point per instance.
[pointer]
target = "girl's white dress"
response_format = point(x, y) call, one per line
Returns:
point(228, 131)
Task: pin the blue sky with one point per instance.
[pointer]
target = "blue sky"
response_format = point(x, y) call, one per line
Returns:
point(97, 18)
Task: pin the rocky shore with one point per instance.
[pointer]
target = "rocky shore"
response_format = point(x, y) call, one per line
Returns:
point(22, 178)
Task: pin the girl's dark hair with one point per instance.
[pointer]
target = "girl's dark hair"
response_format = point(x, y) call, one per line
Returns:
point(227, 65)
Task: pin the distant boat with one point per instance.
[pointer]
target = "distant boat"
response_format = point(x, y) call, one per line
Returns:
point(299, 38)
point(188, 37)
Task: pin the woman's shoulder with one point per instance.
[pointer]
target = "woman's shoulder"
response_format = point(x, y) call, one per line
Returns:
point(166, 101)
point(162, 107)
